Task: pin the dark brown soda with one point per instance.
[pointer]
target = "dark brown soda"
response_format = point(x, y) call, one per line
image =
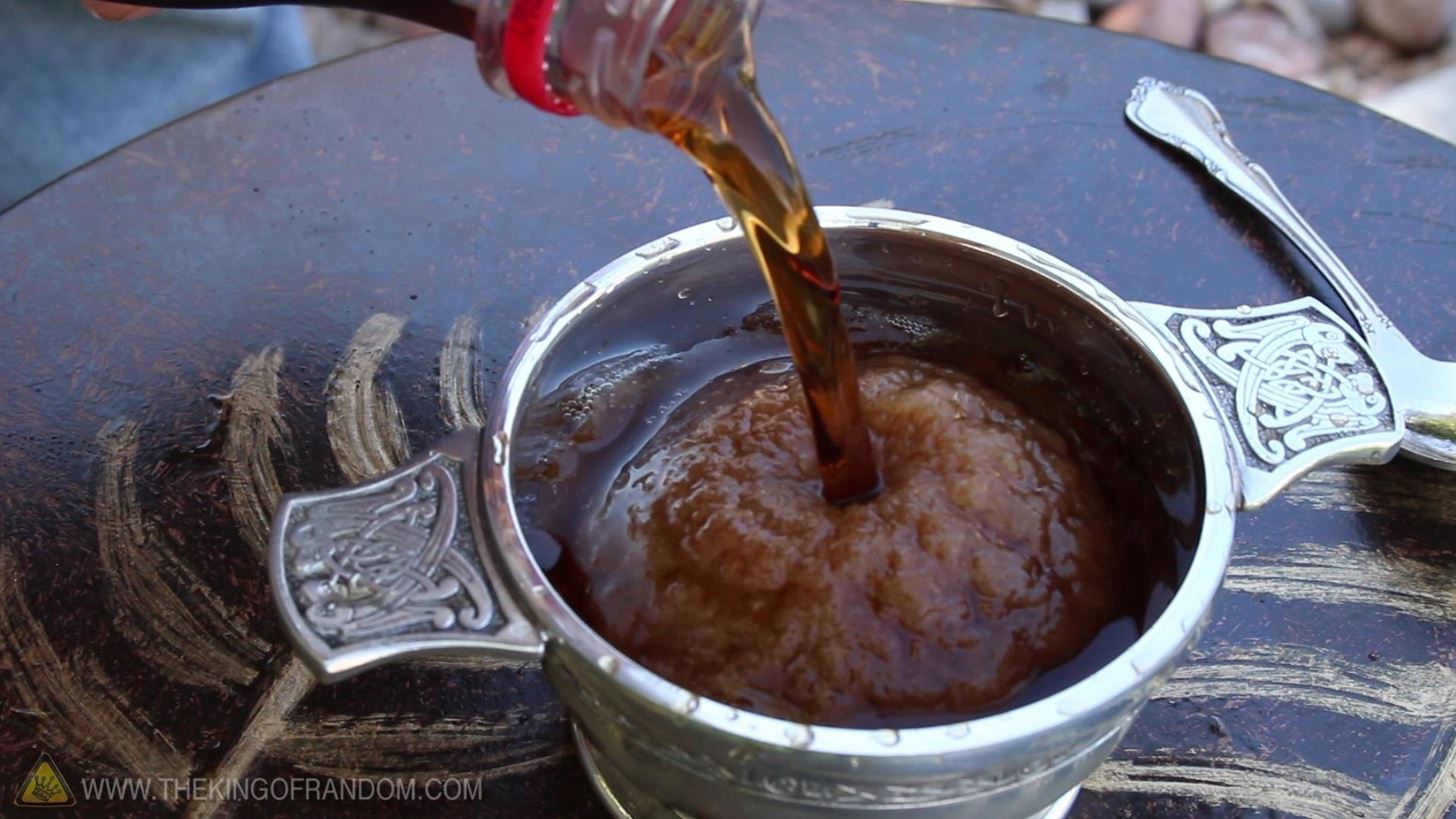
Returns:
point(740, 147)
point(583, 443)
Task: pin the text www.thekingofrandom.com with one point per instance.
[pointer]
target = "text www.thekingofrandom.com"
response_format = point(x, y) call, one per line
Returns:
point(279, 789)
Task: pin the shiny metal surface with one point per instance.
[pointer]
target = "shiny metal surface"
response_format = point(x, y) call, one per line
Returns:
point(700, 757)
point(623, 800)
point(1297, 389)
point(1425, 387)
point(394, 568)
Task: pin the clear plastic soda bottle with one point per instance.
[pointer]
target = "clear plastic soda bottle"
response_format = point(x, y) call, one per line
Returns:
point(615, 60)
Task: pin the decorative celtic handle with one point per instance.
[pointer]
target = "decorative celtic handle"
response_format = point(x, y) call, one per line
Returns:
point(1295, 386)
point(395, 567)
point(1187, 120)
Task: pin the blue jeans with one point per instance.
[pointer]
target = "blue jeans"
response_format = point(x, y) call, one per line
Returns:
point(73, 88)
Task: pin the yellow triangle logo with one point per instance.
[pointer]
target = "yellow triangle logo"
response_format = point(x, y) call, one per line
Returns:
point(44, 787)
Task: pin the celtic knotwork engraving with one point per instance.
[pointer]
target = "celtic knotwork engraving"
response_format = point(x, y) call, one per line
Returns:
point(788, 786)
point(1296, 379)
point(386, 561)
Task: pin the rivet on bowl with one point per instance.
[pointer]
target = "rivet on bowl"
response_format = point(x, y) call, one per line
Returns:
point(1137, 668)
point(799, 736)
point(658, 247)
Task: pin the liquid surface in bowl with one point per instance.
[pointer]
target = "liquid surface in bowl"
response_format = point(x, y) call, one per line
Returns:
point(988, 555)
point(681, 494)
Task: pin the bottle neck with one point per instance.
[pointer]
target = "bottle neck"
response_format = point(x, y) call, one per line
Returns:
point(624, 62)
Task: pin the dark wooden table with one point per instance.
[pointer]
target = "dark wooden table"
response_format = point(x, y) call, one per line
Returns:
point(299, 286)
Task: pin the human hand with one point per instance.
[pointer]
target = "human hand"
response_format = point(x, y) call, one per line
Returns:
point(116, 11)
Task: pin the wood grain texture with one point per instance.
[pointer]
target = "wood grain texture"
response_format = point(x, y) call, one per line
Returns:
point(1247, 783)
point(1338, 574)
point(170, 617)
point(383, 745)
point(365, 427)
point(460, 402)
point(77, 708)
point(255, 430)
point(1435, 800)
point(284, 688)
point(348, 258)
point(1389, 692)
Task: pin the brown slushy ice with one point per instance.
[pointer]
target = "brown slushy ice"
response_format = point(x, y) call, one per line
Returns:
point(988, 558)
